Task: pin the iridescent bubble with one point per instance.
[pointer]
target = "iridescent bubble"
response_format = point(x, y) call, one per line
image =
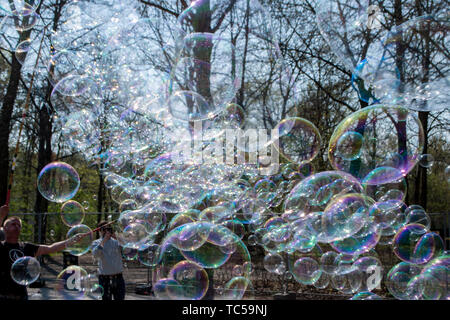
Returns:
point(362, 241)
point(58, 182)
point(398, 278)
point(343, 217)
point(129, 252)
point(426, 160)
point(148, 254)
point(366, 296)
point(68, 283)
point(25, 17)
point(377, 189)
point(72, 213)
point(298, 140)
point(128, 204)
point(377, 124)
point(418, 216)
point(385, 213)
point(328, 262)
point(372, 272)
point(447, 173)
point(349, 145)
point(413, 243)
point(193, 279)
point(315, 192)
point(274, 263)
point(25, 270)
point(84, 245)
point(306, 270)
point(207, 253)
point(348, 282)
point(323, 281)
point(235, 288)
point(22, 50)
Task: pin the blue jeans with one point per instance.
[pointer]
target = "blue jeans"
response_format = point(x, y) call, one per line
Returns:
point(113, 287)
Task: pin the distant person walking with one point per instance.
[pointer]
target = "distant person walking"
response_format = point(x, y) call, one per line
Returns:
point(108, 252)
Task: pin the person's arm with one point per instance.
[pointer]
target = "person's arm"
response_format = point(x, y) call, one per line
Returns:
point(4, 210)
point(97, 251)
point(58, 246)
point(3, 214)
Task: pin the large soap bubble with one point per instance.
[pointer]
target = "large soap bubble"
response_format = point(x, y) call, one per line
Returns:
point(72, 213)
point(25, 270)
point(186, 254)
point(81, 237)
point(393, 137)
point(58, 182)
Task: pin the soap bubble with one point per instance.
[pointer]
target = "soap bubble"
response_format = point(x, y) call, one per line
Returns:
point(83, 246)
point(328, 262)
point(349, 145)
point(298, 140)
point(148, 254)
point(72, 213)
point(198, 245)
point(366, 296)
point(306, 270)
point(22, 50)
point(398, 278)
point(274, 263)
point(372, 272)
point(375, 124)
point(25, 270)
point(414, 244)
point(426, 160)
point(68, 283)
point(447, 173)
point(192, 278)
point(58, 182)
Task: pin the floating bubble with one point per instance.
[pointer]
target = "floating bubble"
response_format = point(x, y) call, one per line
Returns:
point(328, 262)
point(398, 278)
point(68, 283)
point(447, 173)
point(148, 254)
point(376, 124)
point(414, 244)
point(298, 140)
point(25, 270)
point(274, 263)
point(372, 272)
point(349, 145)
point(25, 17)
point(78, 248)
point(193, 279)
point(58, 182)
point(22, 50)
point(72, 213)
point(366, 296)
point(426, 160)
point(306, 270)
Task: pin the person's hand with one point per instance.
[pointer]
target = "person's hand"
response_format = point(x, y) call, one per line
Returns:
point(76, 238)
point(4, 210)
point(107, 235)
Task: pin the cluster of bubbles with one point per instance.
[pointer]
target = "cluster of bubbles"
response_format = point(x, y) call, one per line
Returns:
point(188, 219)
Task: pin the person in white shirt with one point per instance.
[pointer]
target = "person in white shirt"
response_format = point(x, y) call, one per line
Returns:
point(108, 252)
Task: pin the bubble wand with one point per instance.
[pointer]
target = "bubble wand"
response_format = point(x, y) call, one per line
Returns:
point(25, 109)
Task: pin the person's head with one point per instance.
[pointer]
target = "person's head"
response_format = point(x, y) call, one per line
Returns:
point(104, 226)
point(12, 228)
